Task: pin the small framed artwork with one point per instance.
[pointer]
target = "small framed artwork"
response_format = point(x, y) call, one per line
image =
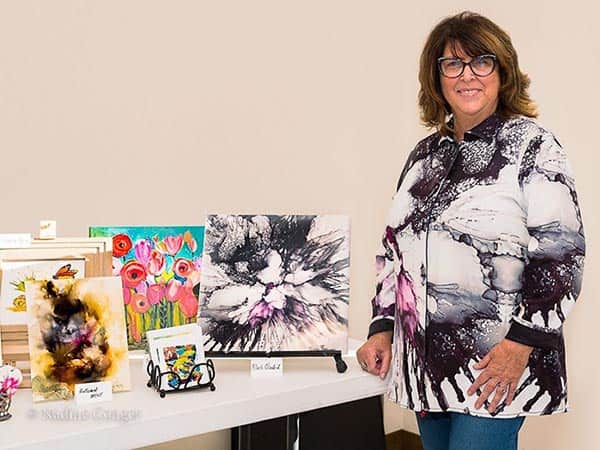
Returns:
point(178, 352)
point(14, 273)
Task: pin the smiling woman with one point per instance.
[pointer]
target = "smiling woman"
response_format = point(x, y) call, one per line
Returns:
point(482, 256)
point(471, 94)
point(458, 40)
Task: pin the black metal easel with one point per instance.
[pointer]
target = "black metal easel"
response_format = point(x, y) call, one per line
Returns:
point(340, 364)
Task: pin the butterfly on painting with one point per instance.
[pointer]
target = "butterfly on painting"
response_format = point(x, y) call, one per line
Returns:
point(65, 272)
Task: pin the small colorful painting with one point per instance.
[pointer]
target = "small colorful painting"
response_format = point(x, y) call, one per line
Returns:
point(177, 351)
point(181, 361)
point(76, 335)
point(160, 270)
point(13, 310)
point(275, 283)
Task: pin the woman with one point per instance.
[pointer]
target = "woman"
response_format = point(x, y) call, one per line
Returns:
point(482, 256)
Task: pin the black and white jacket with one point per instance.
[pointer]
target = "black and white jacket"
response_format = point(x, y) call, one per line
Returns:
point(484, 241)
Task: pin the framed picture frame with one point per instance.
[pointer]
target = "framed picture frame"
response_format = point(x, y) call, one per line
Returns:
point(19, 265)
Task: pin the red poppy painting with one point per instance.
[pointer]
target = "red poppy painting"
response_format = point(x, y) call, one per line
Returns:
point(160, 272)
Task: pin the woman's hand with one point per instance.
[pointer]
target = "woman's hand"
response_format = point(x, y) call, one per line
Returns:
point(502, 370)
point(375, 355)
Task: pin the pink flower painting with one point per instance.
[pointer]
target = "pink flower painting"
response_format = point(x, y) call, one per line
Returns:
point(160, 272)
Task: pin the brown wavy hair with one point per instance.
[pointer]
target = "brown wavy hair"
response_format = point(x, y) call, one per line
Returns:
point(475, 35)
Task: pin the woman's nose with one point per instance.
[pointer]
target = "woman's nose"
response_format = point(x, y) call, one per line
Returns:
point(468, 73)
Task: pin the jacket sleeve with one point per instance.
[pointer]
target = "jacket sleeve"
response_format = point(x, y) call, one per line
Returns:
point(552, 276)
point(384, 301)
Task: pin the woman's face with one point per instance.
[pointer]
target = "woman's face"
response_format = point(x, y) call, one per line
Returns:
point(472, 98)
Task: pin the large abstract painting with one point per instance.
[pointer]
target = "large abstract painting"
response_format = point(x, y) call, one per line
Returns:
point(76, 335)
point(160, 270)
point(275, 283)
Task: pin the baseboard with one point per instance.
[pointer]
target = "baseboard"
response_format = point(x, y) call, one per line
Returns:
point(403, 440)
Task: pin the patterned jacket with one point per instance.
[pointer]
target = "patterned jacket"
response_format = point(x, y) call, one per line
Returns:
point(484, 241)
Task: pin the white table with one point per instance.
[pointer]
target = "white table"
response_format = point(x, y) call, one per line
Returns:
point(307, 384)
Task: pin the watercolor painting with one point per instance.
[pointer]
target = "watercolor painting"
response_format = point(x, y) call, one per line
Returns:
point(76, 335)
point(160, 270)
point(15, 274)
point(275, 283)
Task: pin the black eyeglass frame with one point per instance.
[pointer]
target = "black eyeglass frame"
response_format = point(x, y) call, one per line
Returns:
point(465, 64)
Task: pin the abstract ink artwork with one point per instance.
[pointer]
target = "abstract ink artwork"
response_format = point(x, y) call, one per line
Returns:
point(275, 283)
point(14, 275)
point(76, 335)
point(160, 270)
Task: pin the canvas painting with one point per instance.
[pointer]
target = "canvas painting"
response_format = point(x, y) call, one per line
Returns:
point(275, 283)
point(76, 335)
point(13, 308)
point(160, 270)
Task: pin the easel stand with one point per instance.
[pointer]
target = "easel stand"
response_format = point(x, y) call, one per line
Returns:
point(159, 380)
point(340, 365)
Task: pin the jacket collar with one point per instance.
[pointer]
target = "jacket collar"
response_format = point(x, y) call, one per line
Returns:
point(486, 130)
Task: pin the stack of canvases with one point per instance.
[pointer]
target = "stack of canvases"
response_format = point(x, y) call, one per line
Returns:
point(15, 350)
point(56, 259)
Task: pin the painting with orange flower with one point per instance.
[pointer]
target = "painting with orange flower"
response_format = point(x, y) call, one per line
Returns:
point(160, 271)
point(76, 335)
point(14, 274)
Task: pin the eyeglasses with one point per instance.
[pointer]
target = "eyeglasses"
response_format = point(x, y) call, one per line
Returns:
point(482, 66)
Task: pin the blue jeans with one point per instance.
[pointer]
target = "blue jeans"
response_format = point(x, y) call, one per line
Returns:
point(454, 431)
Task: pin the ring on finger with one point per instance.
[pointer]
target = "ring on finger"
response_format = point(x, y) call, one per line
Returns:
point(502, 387)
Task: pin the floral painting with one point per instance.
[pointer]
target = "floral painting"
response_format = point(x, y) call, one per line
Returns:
point(275, 283)
point(160, 271)
point(76, 335)
point(15, 274)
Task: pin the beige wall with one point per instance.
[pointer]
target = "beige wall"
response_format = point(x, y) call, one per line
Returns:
point(147, 112)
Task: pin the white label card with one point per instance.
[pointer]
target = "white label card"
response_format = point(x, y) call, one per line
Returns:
point(93, 392)
point(47, 229)
point(15, 240)
point(266, 367)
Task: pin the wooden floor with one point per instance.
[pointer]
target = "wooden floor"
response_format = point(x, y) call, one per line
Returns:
point(403, 440)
